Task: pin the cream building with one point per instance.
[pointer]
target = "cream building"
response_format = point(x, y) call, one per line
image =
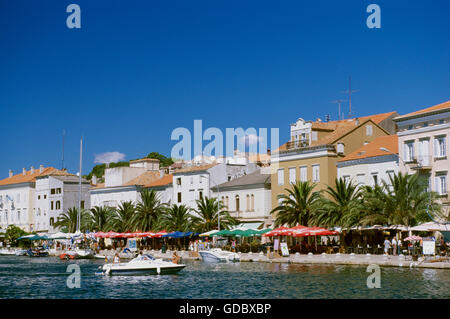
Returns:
point(423, 147)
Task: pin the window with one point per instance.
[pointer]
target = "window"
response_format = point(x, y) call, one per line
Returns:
point(281, 176)
point(45, 196)
point(58, 204)
point(314, 136)
point(280, 200)
point(248, 202)
point(52, 221)
point(439, 146)
point(227, 202)
point(252, 202)
point(340, 148)
point(39, 197)
point(58, 191)
point(200, 194)
point(375, 179)
point(316, 173)
point(408, 151)
point(346, 178)
point(82, 204)
point(369, 130)
point(52, 191)
point(179, 197)
point(303, 174)
point(292, 172)
point(237, 203)
point(441, 184)
point(179, 181)
point(51, 205)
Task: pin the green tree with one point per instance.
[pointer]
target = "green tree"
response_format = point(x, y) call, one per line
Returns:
point(99, 217)
point(13, 232)
point(164, 161)
point(148, 212)
point(176, 218)
point(298, 206)
point(342, 206)
point(208, 211)
point(68, 221)
point(121, 217)
point(405, 202)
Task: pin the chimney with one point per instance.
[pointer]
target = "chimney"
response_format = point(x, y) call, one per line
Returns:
point(10, 173)
point(32, 170)
point(41, 169)
point(24, 171)
point(94, 180)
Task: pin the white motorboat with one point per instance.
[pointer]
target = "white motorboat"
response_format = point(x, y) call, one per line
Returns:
point(21, 252)
point(142, 265)
point(7, 252)
point(218, 255)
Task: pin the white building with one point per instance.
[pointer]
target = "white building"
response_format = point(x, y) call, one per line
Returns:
point(371, 163)
point(194, 182)
point(247, 198)
point(55, 193)
point(26, 198)
point(124, 183)
point(163, 188)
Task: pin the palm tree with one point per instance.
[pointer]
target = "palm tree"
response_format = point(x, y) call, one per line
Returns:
point(297, 206)
point(68, 221)
point(99, 217)
point(406, 201)
point(208, 210)
point(176, 218)
point(148, 212)
point(343, 206)
point(120, 219)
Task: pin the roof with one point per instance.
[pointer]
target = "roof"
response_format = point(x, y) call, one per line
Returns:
point(250, 179)
point(434, 108)
point(340, 128)
point(163, 181)
point(143, 179)
point(28, 177)
point(258, 157)
point(146, 159)
point(372, 149)
point(195, 168)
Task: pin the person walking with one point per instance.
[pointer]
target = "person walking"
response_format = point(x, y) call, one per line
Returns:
point(399, 245)
point(394, 246)
point(387, 245)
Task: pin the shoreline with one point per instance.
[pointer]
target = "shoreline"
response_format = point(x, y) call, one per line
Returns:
point(326, 259)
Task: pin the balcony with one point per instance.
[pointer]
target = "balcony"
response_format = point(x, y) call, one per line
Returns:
point(297, 144)
point(420, 162)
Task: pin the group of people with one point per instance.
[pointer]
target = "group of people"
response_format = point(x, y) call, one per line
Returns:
point(199, 245)
point(395, 244)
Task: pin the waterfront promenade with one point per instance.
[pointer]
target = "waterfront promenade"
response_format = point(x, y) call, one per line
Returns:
point(335, 259)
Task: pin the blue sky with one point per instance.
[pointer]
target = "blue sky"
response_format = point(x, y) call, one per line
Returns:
point(136, 70)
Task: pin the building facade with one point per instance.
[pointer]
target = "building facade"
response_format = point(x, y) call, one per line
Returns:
point(371, 164)
point(315, 148)
point(247, 198)
point(423, 147)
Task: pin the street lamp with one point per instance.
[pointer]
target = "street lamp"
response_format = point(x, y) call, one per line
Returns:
point(218, 197)
point(384, 149)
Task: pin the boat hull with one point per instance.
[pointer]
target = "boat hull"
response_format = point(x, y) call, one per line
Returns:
point(145, 272)
point(209, 256)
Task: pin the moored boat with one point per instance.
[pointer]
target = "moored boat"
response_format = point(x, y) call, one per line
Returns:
point(142, 265)
point(7, 252)
point(39, 252)
point(218, 255)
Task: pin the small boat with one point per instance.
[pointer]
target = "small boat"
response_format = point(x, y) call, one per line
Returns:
point(77, 254)
point(7, 252)
point(142, 265)
point(39, 252)
point(21, 252)
point(218, 255)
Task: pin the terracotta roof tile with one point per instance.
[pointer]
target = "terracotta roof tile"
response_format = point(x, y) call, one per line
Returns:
point(143, 179)
point(372, 149)
point(165, 180)
point(28, 177)
point(438, 107)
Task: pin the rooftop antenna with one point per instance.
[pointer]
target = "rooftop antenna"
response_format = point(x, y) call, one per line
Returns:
point(339, 102)
point(349, 92)
point(63, 137)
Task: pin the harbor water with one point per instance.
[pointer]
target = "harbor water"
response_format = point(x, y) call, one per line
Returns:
point(46, 277)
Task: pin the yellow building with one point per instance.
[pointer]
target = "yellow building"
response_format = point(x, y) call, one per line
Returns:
point(315, 147)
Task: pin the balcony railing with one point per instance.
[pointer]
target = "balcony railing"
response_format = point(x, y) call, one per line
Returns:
point(420, 162)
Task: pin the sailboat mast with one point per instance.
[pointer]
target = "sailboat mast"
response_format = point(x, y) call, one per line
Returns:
point(79, 195)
